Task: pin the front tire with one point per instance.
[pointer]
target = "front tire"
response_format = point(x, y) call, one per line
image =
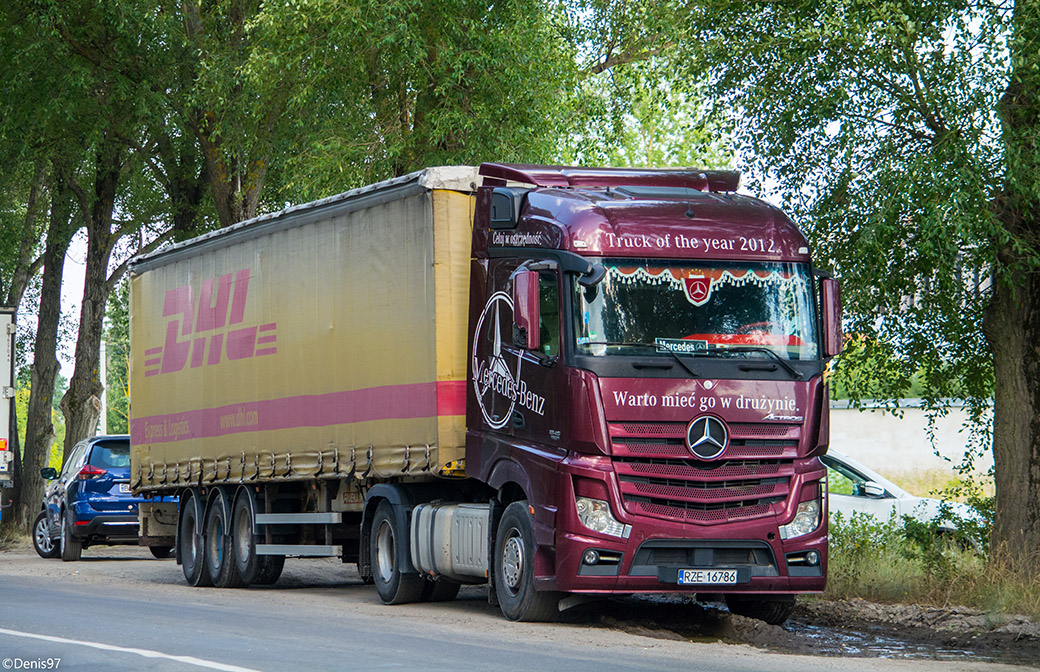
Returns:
point(71, 548)
point(514, 569)
point(774, 610)
point(192, 545)
point(393, 585)
point(42, 542)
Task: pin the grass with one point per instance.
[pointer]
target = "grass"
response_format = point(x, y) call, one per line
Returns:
point(908, 562)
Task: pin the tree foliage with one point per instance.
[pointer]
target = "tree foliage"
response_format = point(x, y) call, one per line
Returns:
point(905, 135)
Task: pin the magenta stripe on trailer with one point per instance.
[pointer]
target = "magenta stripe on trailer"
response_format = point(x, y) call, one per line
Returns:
point(392, 402)
point(153, 351)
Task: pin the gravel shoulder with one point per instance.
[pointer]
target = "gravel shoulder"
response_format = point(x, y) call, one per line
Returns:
point(848, 629)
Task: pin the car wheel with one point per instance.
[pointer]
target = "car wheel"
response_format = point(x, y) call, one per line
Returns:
point(71, 548)
point(514, 569)
point(161, 552)
point(42, 542)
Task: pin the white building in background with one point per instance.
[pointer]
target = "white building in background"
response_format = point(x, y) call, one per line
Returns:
point(899, 445)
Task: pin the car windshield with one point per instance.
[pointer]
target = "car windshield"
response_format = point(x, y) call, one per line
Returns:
point(644, 307)
point(110, 455)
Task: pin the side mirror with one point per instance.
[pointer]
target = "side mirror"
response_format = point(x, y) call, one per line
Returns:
point(873, 490)
point(830, 307)
point(49, 473)
point(526, 325)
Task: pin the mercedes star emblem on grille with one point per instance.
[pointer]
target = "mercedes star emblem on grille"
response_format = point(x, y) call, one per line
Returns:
point(707, 437)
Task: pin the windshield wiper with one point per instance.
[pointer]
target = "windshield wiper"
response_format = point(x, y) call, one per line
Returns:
point(655, 346)
point(795, 373)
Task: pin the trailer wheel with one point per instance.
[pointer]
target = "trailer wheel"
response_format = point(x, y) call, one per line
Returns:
point(514, 569)
point(71, 548)
point(439, 590)
point(393, 586)
point(219, 558)
point(772, 609)
point(192, 544)
point(42, 542)
point(247, 562)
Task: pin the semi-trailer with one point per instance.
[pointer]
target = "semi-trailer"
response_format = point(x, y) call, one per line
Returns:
point(558, 381)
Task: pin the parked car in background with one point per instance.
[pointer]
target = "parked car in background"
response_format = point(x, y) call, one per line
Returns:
point(853, 487)
point(89, 502)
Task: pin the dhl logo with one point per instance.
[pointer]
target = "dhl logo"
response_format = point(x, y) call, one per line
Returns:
point(206, 330)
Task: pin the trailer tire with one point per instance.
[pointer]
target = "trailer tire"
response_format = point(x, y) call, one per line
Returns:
point(71, 548)
point(243, 541)
point(439, 590)
point(42, 542)
point(192, 543)
point(219, 557)
point(161, 552)
point(772, 609)
point(393, 585)
point(514, 569)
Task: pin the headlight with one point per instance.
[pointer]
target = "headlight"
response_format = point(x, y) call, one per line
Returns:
point(595, 514)
point(806, 520)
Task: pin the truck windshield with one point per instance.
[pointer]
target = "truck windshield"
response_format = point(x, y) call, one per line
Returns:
point(645, 307)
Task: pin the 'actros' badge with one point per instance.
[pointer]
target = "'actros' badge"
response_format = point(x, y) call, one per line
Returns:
point(707, 437)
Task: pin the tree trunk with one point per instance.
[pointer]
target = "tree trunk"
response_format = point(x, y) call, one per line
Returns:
point(39, 429)
point(81, 404)
point(1012, 326)
point(1012, 321)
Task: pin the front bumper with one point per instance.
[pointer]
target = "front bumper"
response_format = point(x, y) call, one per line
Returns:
point(656, 550)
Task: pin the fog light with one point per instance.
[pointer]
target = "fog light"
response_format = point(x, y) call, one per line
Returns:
point(812, 558)
point(591, 557)
point(806, 520)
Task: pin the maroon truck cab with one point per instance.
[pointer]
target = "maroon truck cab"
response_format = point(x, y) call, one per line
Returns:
point(647, 350)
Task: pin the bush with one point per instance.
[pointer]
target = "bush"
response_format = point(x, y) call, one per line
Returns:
point(909, 561)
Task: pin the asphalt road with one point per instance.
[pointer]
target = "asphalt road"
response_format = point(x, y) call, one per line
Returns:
point(119, 609)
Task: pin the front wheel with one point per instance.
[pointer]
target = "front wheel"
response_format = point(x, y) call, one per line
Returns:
point(393, 585)
point(774, 610)
point(42, 542)
point(514, 569)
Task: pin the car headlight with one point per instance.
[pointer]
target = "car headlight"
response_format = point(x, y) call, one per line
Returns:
point(806, 520)
point(595, 514)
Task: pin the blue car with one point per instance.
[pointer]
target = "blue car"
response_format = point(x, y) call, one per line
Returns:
point(89, 503)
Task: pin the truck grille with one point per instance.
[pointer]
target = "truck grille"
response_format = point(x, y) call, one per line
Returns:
point(659, 476)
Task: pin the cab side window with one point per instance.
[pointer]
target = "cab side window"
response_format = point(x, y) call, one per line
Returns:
point(549, 309)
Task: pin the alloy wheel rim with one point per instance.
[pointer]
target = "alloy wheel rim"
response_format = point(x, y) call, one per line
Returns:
point(43, 538)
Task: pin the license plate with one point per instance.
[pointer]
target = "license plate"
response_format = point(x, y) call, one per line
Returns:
point(124, 488)
point(707, 576)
